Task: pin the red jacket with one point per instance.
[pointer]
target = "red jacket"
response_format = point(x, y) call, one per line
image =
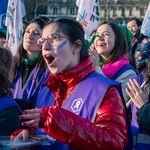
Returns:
point(109, 131)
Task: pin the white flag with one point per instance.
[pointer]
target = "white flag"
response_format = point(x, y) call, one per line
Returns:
point(88, 15)
point(146, 23)
point(15, 13)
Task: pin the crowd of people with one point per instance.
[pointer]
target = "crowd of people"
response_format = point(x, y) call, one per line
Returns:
point(95, 97)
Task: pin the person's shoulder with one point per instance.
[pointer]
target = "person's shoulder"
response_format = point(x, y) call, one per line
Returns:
point(7, 102)
point(146, 40)
point(144, 43)
point(99, 79)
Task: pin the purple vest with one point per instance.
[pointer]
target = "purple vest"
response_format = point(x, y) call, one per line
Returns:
point(86, 98)
point(6, 102)
point(84, 101)
point(29, 92)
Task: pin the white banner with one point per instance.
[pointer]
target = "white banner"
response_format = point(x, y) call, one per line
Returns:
point(15, 13)
point(88, 15)
point(146, 23)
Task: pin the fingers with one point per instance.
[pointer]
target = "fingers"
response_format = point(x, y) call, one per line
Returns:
point(130, 87)
point(23, 135)
point(29, 114)
point(137, 84)
point(31, 111)
point(37, 138)
point(33, 123)
point(12, 137)
point(32, 115)
point(134, 86)
point(94, 56)
point(129, 93)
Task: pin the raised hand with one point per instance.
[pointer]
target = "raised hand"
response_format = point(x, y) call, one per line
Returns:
point(94, 55)
point(138, 96)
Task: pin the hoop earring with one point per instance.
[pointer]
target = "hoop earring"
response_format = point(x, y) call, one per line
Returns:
point(74, 53)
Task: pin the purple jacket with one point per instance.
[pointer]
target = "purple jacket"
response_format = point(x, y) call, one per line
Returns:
point(29, 92)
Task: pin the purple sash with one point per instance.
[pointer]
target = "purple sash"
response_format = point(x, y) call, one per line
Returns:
point(86, 98)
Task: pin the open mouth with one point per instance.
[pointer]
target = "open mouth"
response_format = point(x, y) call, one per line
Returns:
point(102, 44)
point(49, 58)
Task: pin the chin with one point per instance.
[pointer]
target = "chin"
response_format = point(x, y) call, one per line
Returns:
point(53, 70)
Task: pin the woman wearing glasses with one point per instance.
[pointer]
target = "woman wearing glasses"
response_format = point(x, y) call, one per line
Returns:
point(87, 111)
point(28, 71)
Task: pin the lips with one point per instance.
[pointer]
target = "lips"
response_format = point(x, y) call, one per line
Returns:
point(30, 42)
point(49, 59)
point(101, 44)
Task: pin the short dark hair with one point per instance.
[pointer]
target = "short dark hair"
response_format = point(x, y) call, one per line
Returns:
point(121, 45)
point(73, 30)
point(138, 21)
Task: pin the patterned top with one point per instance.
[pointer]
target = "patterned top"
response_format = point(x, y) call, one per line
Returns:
point(142, 51)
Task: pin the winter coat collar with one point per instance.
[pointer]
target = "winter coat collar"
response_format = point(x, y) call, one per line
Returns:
point(62, 84)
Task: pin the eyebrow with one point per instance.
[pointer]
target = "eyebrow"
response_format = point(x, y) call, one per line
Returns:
point(33, 30)
point(103, 32)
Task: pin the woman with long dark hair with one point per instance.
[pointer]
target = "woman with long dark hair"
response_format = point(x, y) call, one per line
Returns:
point(110, 54)
point(29, 70)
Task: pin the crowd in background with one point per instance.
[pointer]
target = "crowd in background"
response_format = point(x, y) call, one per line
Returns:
point(85, 98)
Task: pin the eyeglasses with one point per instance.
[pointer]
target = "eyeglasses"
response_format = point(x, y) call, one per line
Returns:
point(51, 39)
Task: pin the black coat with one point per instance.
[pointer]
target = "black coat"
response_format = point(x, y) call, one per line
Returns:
point(9, 121)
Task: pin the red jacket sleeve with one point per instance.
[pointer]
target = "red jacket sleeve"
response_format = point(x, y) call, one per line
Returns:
point(109, 131)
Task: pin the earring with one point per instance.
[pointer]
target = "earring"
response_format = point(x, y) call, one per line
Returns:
point(74, 53)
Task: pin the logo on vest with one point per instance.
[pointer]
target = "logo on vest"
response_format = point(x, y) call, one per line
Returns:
point(77, 105)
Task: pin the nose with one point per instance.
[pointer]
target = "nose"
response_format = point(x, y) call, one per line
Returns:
point(46, 46)
point(101, 38)
point(30, 35)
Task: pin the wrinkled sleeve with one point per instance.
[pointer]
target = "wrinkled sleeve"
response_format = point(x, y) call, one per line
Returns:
point(109, 131)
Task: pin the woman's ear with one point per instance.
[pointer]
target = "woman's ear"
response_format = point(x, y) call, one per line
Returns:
point(78, 45)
